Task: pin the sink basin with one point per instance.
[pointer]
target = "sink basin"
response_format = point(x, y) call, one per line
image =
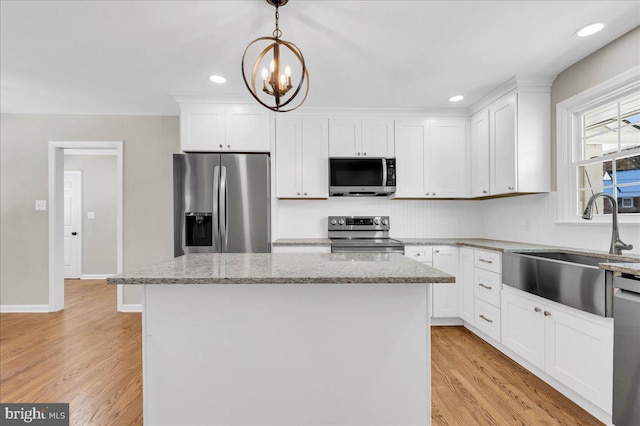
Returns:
point(571, 279)
point(569, 257)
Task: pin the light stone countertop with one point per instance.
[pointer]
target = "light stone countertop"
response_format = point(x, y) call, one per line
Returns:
point(302, 242)
point(486, 244)
point(268, 268)
point(627, 268)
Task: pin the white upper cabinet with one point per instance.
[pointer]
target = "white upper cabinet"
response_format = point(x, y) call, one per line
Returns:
point(212, 127)
point(502, 145)
point(431, 158)
point(448, 159)
point(361, 138)
point(480, 154)
point(302, 152)
point(510, 144)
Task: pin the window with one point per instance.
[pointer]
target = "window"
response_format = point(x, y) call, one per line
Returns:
point(608, 154)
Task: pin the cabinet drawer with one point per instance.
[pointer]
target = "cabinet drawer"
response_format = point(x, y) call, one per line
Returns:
point(486, 286)
point(489, 260)
point(419, 253)
point(487, 319)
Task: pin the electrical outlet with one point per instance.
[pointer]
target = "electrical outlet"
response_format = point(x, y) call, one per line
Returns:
point(41, 204)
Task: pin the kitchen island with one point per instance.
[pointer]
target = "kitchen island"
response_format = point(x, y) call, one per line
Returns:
point(286, 339)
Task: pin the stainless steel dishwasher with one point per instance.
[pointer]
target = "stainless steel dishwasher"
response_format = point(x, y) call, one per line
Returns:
point(626, 350)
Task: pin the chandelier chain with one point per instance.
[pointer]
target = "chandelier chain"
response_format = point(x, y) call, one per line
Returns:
point(277, 33)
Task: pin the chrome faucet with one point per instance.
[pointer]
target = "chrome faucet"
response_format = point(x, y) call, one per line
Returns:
point(616, 243)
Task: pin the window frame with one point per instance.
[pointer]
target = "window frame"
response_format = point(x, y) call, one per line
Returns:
point(569, 143)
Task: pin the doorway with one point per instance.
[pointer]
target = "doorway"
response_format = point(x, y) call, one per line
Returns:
point(56, 213)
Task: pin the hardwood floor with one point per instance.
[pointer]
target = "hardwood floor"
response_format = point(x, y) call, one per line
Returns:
point(475, 384)
point(90, 356)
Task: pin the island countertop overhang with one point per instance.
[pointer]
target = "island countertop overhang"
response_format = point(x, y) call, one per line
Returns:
point(297, 268)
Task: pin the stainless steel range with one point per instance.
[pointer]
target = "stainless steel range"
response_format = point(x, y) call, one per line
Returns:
point(355, 234)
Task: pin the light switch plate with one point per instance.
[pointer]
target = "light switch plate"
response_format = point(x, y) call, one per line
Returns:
point(91, 215)
point(41, 204)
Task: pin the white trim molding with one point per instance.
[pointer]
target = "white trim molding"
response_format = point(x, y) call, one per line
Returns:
point(567, 128)
point(23, 309)
point(57, 150)
point(130, 307)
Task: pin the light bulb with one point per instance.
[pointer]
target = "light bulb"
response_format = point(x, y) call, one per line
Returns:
point(265, 73)
point(283, 80)
point(287, 71)
point(273, 65)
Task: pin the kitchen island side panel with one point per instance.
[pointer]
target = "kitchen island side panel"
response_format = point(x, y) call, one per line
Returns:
point(313, 354)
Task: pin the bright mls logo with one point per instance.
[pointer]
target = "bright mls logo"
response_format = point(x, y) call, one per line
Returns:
point(35, 414)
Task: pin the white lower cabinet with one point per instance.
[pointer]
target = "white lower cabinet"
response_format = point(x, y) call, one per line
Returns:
point(445, 296)
point(573, 347)
point(487, 319)
point(465, 281)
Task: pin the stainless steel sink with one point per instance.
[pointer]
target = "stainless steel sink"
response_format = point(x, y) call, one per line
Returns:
point(571, 279)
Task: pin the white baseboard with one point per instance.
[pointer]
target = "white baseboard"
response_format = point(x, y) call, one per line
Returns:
point(24, 309)
point(95, 276)
point(446, 321)
point(130, 307)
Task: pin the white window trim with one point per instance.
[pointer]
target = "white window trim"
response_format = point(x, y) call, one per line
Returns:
point(567, 127)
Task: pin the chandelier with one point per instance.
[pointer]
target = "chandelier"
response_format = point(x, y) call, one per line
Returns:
point(278, 92)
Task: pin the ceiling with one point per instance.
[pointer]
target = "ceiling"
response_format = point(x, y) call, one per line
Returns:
point(132, 57)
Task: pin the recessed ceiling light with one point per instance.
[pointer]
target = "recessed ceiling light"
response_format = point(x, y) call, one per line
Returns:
point(217, 79)
point(590, 29)
point(456, 98)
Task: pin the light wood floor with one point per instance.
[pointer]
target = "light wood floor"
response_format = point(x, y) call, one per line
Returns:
point(91, 357)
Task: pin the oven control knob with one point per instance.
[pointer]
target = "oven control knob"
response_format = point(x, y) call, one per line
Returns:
point(341, 221)
point(385, 222)
point(376, 221)
point(333, 221)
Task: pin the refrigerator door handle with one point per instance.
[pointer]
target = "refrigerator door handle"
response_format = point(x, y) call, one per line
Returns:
point(223, 210)
point(216, 196)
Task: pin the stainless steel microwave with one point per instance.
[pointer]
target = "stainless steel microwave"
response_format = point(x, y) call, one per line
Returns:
point(362, 177)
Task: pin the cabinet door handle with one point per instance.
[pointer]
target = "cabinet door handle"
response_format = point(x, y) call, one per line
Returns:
point(484, 191)
point(228, 146)
point(511, 188)
point(305, 193)
point(417, 254)
point(485, 260)
point(547, 313)
point(221, 146)
point(436, 251)
point(357, 153)
point(485, 286)
point(537, 309)
point(486, 319)
point(298, 193)
point(433, 193)
point(364, 153)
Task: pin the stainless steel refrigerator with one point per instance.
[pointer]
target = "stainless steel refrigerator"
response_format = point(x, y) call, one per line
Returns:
point(221, 203)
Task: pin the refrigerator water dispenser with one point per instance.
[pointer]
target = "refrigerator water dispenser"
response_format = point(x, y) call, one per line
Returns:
point(199, 231)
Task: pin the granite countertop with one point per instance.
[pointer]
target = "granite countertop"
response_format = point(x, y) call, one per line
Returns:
point(302, 242)
point(268, 268)
point(626, 268)
point(482, 243)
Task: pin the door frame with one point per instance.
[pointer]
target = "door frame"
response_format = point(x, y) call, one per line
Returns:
point(56, 215)
point(77, 173)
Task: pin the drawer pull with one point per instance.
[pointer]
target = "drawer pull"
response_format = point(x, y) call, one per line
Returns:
point(486, 319)
point(485, 286)
point(485, 260)
point(537, 309)
point(547, 313)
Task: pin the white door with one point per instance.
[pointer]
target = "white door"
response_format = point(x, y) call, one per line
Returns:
point(72, 224)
